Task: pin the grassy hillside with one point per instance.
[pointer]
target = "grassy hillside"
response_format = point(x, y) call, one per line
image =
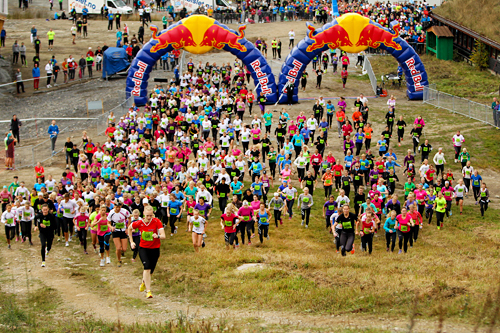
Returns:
point(456, 78)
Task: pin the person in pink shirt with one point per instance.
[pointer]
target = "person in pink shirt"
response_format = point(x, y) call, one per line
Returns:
point(301, 119)
point(403, 226)
point(256, 134)
point(419, 121)
point(245, 215)
point(330, 159)
point(420, 195)
point(81, 221)
point(236, 152)
point(342, 104)
point(292, 129)
point(103, 233)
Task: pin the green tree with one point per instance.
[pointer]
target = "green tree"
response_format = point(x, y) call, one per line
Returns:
point(480, 55)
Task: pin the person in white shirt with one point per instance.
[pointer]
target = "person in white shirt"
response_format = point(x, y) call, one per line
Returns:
point(312, 123)
point(197, 225)
point(467, 172)
point(363, 99)
point(119, 219)
point(9, 218)
point(68, 208)
point(48, 69)
point(439, 161)
point(342, 199)
point(27, 215)
point(458, 140)
point(291, 37)
point(51, 184)
point(423, 168)
point(460, 192)
point(203, 193)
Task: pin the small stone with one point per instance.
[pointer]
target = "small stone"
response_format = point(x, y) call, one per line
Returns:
point(103, 279)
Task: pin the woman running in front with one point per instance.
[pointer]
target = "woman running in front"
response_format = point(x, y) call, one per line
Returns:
point(262, 216)
point(197, 225)
point(348, 221)
point(390, 230)
point(103, 233)
point(46, 222)
point(404, 223)
point(152, 231)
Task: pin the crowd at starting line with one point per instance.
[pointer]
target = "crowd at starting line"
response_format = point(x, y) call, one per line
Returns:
point(206, 141)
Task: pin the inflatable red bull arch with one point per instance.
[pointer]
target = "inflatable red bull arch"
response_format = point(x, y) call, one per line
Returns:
point(353, 33)
point(199, 34)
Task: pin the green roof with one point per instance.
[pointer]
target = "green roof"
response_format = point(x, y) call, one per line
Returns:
point(481, 16)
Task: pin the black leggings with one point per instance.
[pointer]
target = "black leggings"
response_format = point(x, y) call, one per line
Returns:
point(368, 143)
point(390, 239)
point(429, 212)
point(104, 242)
point(137, 240)
point(10, 232)
point(306, 213)
point(484, 206)
point(439, 218)
point(149, 258)
point(476, 190)
point(263, 232)
point(289, 205)
point(346, 242)
point(46, 242)
point(328, 190)
point(26, 229)
point(367, 239)
point(300, 173)
point(243, 227)
point(439, 168)
point(67, 225)
point(173, 219)
point(404, 236)
point(82, 236)
point(414, 231)
point(277, 216)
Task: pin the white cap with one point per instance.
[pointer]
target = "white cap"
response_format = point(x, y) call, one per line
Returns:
point(145, 201)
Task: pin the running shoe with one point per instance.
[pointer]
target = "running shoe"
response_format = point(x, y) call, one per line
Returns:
point(31, 243)
point(307, 226)
point(175, 231)
point(142, 287)
point(23, 239)
point(149, 295)
point(85, 252)
point(119, 264)
point(102, 263)
point(237, 247)
point(67, 244)
point(70, 238)
point(387, 250)
point(400, 252)
point(108, 260)
point(17, 239)
point(43, 263)
point(8, 246)
point(267, 237)
point(439, 228)
point(352, 252)
point(203, 244)
point(302, 222)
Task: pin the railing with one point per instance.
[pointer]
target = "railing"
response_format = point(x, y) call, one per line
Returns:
point(28, 156)
point(367, 68)
point(465, 107)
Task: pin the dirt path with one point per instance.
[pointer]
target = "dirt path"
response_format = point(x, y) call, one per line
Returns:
point(122, 301)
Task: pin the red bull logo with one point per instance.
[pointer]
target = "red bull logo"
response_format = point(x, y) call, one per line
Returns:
point(177, 37)
point(335, 37)
point(216, 36)
point(372, 36)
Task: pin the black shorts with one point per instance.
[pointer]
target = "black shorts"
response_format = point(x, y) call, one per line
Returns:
point(67, 224)
point(10, 232)
point(457, 199)
point(229, 237)
point(119, 234)
point(51, 42)
point(149, 258)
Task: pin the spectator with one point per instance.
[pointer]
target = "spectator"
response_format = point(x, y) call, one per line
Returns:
point(19, 80)
point(82, 63)
point(15, 124)
point(22, 51)
point(2, 37)
point(50, 35)
point(90, 63)
point(37, 45)
point(9, 151)
point(48, 69)
point(36, 76)
point(33, 34)
point(53, 131)
point(495, 107)
point(15, 52)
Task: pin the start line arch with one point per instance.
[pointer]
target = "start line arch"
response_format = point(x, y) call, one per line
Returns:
point(199, 34)
point(353, 33)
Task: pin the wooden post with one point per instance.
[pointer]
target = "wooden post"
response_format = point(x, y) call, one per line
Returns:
point(87, 108)
point(102, 106)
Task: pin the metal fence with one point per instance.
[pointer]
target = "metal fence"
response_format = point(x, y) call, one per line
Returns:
point(28, 156)
point(465, 107)
point(367, 68)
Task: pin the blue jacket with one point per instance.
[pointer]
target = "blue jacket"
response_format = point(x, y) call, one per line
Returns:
point(51, 129)
point(35, 72)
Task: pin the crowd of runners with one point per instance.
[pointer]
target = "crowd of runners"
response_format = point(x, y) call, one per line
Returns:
point(206, 149)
